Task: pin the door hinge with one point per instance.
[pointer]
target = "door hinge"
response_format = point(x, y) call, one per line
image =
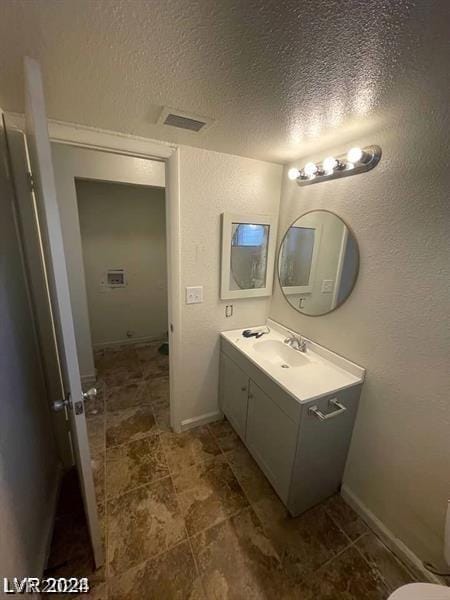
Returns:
point(30, 179)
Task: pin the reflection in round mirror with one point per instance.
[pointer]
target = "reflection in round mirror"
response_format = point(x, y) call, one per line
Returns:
point(249, 244)
point(318, 263)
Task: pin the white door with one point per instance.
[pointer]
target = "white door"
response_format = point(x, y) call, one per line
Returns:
point(44, 183)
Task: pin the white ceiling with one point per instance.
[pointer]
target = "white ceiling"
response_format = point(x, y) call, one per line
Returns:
point(276, 75)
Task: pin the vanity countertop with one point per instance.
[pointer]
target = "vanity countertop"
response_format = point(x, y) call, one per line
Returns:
point(304, 375)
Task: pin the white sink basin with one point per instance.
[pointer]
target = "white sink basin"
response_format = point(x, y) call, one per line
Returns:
point(280, 354)
point(304, 375)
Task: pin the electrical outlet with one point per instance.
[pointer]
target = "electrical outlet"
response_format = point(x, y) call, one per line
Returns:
point(327, 286)
point(194, 295)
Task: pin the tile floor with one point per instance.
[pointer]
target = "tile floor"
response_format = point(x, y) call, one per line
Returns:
point(191, 516)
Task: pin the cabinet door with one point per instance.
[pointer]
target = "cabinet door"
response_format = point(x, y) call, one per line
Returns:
point(234, 392)
point(271, 438)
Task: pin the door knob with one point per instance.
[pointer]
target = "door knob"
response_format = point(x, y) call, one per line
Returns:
point(90, 394)
point(59, 405)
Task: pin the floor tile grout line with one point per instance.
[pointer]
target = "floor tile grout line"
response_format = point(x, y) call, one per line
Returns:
point(368, 532)
point(338, 525)
point(138, 487)
point(370, 566)
point(147, 435)
point(220, 522)
point(398, 560)
point(148, 559)
point(222, 519)
point(394, 556)
point(188, 539)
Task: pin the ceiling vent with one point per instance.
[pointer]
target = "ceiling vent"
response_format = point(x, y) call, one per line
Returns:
point(184, 120)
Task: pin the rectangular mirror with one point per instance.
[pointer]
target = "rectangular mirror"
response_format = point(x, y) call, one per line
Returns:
point(248, 254)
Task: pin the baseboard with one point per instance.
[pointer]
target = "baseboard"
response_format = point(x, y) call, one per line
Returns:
point(201, 420)
point(49, 527)
point(399, 548)
point(129, 342)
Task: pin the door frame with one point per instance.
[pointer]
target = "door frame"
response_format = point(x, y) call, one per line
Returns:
point(139, 147)
point(72, 164)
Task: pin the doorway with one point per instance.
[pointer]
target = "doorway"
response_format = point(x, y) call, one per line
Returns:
point(123, 241)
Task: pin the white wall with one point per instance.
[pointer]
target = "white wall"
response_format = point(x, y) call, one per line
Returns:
point(124, 226)
point(212, 183)
point(70, 162)
point(396, 322)
point(28, 457)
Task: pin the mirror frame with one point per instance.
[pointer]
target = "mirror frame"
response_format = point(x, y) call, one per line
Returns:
point(286, 296)
point(227, 224)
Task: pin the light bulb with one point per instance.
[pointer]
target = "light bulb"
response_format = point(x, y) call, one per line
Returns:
point(310, 169)
point(293, 174)
point(354, 155)
point(329, 164)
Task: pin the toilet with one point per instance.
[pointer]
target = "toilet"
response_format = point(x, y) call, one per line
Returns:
point(427, 591)
point(421, 591)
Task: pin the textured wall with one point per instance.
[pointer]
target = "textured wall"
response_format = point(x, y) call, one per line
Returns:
point(396, 322)
point(212, 183)
point(124, 226)
point(28, 458)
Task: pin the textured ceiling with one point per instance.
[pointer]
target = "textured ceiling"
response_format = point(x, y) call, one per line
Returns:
point(277, 76)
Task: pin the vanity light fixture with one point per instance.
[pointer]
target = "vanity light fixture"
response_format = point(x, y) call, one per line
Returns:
point(354, 155)
point(293, 174)
point(329, 164)
point(357, 160)
point(310, 170)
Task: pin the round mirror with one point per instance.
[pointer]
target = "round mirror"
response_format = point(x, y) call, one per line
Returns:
point(318, 263)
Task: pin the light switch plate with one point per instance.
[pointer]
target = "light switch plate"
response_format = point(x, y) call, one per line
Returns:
point(327, 286)
point(194, 295)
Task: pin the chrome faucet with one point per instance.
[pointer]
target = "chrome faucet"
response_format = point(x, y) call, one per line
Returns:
point(296, 342)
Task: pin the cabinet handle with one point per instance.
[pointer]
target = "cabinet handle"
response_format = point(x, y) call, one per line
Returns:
point(243, 389)
point(313, 410)
point(250, 396)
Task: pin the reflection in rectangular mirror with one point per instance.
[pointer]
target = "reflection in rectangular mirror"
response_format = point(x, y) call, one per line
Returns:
point(248, 255)
point(249, 247)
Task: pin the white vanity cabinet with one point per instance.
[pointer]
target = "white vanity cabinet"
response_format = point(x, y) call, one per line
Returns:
point(301, 452)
